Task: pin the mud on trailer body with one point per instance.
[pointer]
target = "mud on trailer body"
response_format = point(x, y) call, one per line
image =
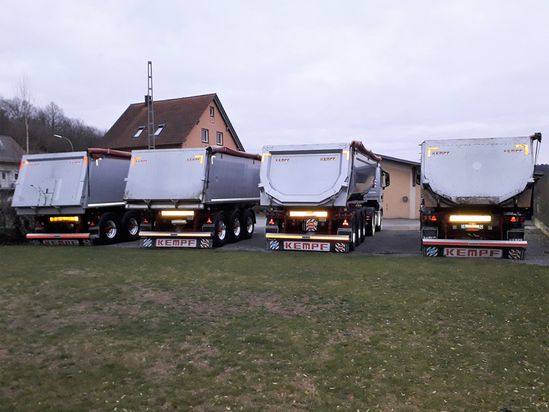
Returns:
point(475, 196)
point(321, 198)
point(76, 197)
point(193, 198)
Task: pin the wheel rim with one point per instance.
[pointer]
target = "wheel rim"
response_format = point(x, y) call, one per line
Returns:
point(110, 229)
point(354, 237)
point(249, 225)
point(236, 227)
point(133, 226)
point(221, 230)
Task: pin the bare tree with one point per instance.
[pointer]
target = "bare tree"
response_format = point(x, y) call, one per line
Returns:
point(54, 116)
point(23, 101)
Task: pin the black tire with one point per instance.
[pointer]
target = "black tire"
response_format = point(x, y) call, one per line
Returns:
point(359, 226)
point(370, 229)
point(380, 226)
point(362, 226)
point(235, 226)
point(353, 242)
point(109, 228)
point(221, 230)
point(130, 225)
point(370, 226)
point(248, 224)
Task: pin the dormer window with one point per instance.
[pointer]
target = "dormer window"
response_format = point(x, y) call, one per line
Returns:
point(159, 129)
point(138, 132)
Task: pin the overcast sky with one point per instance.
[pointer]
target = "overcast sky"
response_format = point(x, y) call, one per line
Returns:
point(390, 73)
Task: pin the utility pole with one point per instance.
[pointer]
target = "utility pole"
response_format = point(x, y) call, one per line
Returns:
point(150, 106)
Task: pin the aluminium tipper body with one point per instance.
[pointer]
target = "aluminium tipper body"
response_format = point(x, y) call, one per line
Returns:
point(316, 174)
point(191, 178)
point(483, 171)
point(58, 183)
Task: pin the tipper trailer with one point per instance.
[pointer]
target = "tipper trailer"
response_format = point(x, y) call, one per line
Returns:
point(193, 198)
point(75, 197)
point(476, 194)
point(321, 197)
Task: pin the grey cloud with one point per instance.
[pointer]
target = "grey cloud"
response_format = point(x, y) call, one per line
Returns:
point(314, 71)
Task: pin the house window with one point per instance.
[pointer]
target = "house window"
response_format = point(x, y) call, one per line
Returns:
point(205, 136)
point(138, 132)
point(4, 176)
point(159, 129)
point(212, 111)
point(16, 175)
point(219, 138)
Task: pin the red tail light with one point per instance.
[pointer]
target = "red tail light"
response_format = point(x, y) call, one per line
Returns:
point(513, 219)
point(209, 221)
point(433, 218)
point(345, 223)
point(145, 221)
point(271, 221)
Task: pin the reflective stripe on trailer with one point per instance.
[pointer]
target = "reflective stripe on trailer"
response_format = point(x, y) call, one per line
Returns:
point(291, 236)
point(476, 243)
point(58, 236)
point(176, 234)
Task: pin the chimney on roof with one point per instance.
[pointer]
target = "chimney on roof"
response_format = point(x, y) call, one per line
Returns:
point(147, 97)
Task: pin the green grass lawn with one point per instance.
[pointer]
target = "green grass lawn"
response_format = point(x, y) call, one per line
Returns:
point(125, 329)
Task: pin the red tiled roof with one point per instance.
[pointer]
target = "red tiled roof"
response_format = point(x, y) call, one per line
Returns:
point(178, 115)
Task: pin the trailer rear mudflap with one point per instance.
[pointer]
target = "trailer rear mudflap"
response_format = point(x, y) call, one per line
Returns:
point(510, 249)
point(61, 239)
point(189, 240)
point(308, 243)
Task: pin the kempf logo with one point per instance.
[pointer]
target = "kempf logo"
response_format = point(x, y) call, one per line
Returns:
point(519, 148)
point(467, 252)
point(435, 151)
point(175, 242)
point(309, 246)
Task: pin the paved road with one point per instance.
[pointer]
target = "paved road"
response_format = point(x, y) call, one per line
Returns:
point(399, 237)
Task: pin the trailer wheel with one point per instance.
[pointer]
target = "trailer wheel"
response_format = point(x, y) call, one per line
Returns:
point(109, 226)
point(359, 228)
point(130, 225)
point(370, 229)
point(370, 226)
point(380, 226)
point(235, 226)
point(248, 220)
point(362, 226)
point(353, 242)
point(220, 229)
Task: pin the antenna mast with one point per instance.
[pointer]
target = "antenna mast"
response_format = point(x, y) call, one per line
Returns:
point(150, 106)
